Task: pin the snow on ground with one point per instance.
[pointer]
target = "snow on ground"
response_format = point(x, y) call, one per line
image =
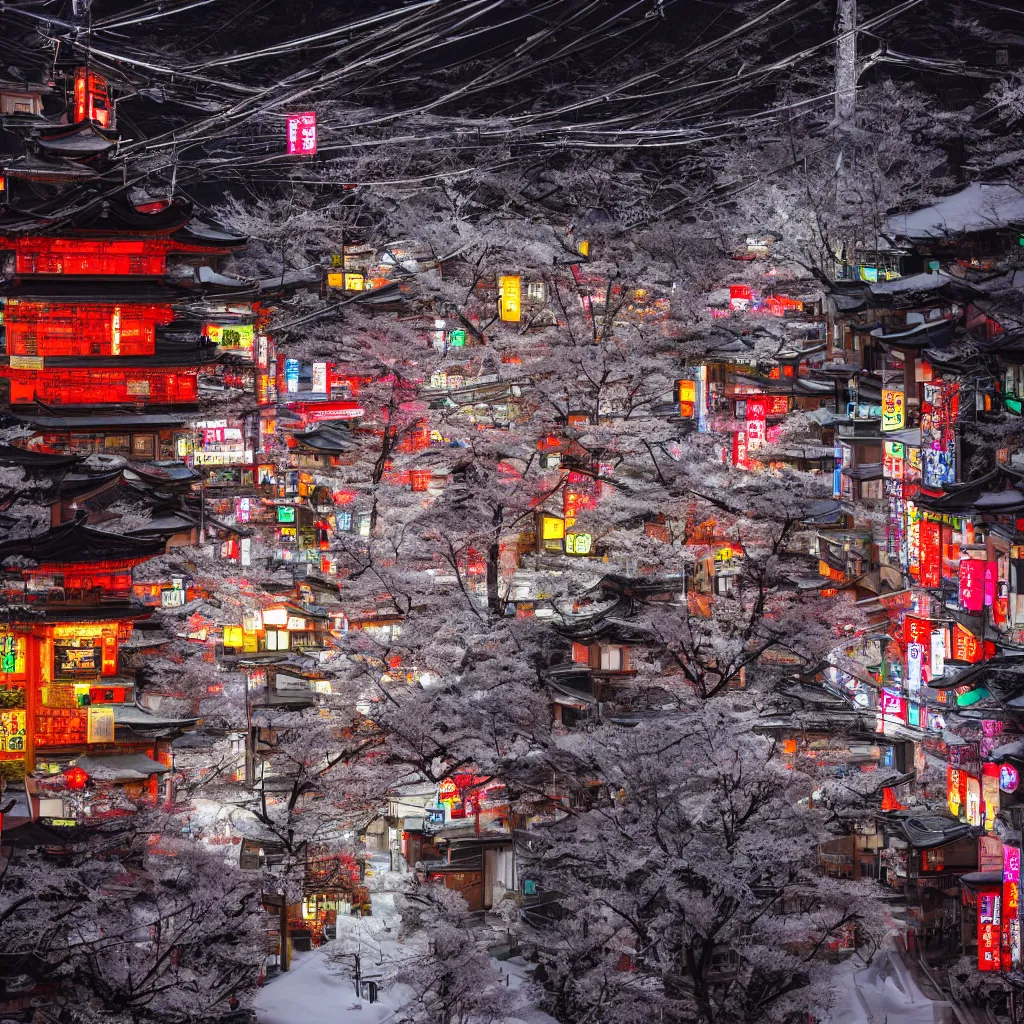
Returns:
point(315, 992)
point(883, 993)
point(518, 971)
point(319, 991)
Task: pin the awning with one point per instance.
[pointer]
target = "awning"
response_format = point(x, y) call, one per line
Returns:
point(120, 767)
point(981, 879)
point(931, 831)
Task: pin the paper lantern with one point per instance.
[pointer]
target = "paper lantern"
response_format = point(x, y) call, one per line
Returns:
point(76, 778)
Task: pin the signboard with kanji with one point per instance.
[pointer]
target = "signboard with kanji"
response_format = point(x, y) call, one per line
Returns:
point(302, 134)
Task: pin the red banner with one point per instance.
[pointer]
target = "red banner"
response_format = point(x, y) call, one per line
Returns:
point(739, 450)
point(972, 585)
point(989, 930)
point(757, 427)
point(931, 555)
point(966, 646)
point(1011, 908)
point(917, 631)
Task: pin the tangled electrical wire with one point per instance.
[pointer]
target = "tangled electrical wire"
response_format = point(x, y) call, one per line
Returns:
point(458, 87)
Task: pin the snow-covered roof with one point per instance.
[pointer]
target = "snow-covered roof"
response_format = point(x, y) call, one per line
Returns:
point(212, 232)
point(978, 207)
point(207, 275)
point(120, 767)
point(131, 715)
point(913, 283)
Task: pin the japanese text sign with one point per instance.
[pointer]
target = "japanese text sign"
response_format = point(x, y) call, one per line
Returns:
point(302, 134)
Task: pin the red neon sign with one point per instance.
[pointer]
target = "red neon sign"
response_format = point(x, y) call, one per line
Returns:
point(302, 134)
point(91, 100)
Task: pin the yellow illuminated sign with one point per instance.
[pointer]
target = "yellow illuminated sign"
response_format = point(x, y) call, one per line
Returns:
point(508, 298)
point(893, 409)
point(335, 280)
point(354, 282)
point(577, 543)
point(552, 528)
point(687, 398)
point(12, 731)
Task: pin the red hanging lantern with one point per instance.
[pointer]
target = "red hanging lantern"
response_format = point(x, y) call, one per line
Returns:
point(76, 778)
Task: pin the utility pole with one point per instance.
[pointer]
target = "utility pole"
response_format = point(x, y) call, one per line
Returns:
point(279, 902)
point(846, 61)
point(286, 955)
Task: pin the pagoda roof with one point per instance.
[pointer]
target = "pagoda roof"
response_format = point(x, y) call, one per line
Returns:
point(140, 720)
point(108, 288)
point(75, 289)
point(195, 355)
point(116, 419)
point(75, 486)
point(32, 167)
point(27, 458)
point(172, 475)
point(912, 292)
point(918, 336)
point(81, 211)
point(327, 440)
point(926, 832)
point(84, 211)
point(83, 139)
point(120, 767)
point(203, 232)
point(76, 543)
point(123, 609)
point(999, 491)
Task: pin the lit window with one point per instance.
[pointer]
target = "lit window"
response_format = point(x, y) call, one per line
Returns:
point(611, 659)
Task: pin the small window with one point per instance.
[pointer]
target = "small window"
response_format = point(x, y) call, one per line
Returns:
point(51, 808)
point(1002, 58)
point(277, 640)
point(142, 444)
point(536, 291)
point(611, 659)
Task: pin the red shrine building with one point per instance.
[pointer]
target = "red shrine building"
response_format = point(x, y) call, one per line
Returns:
point(90, 313)
point(107, 293)
point(65, 704)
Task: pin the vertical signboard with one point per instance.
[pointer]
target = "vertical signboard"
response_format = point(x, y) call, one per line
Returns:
point(989, 931)
point(893, 410)
point(1011, 909)
point(972, 585)
point(302, 134)
point(937, 664)
point(915, 663)
point(757, 423)
point(931, 554)
point(508, 298)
